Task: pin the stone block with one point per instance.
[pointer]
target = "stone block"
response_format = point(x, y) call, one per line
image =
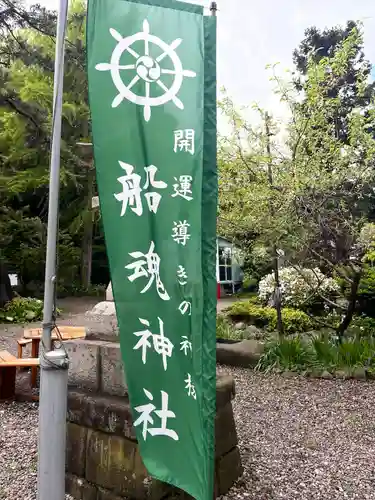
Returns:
point(225, 390)
point(107, 495)
point(229, 469)
point(79, 489)
point(147, 487)
point(245, 354)
point(225, 431)
point(109, 292)
point(113, 467)
point(108, 414)
point(76, 438)
point(112, 370)
point(110, 463)
point(84, 363)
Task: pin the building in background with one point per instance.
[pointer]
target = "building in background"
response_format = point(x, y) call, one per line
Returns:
point(229, 274)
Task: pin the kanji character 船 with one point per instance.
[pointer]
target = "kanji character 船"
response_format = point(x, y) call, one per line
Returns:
point(132, 190)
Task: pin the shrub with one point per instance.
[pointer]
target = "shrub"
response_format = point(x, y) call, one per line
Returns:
point(366, 292)
point(366, 289)
point(250, 284)
point(251, 313)
point(362, 326)
point(248, 295)
point(76, 290)
point(294, 321)
point(299, 287)
point(22, 310)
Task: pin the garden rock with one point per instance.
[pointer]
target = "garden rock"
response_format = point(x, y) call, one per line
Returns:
point(104, 308)
point(243, 354)
point(316, 374)
point(289, 374)
point(360, 373)
point(239, 326)
point(252, 332)
point(326, 375)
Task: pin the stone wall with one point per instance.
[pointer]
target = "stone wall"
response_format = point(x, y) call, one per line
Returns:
point(103, 461)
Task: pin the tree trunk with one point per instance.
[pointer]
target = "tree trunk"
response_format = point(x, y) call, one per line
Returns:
point(88, 226)
point(277, 291)
point(6, 292)
point(352, 299)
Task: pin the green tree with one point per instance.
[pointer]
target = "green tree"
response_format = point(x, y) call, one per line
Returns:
point(316, 207)
point(27, 47)
point(318, 45)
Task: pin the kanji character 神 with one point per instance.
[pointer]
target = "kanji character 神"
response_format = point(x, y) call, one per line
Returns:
point(162, 345)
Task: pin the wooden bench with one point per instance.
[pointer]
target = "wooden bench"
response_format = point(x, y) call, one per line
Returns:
point(8, 369)
point(21, 343)
point(34, 335)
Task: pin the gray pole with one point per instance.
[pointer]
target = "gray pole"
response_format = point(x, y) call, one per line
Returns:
point(54, 364)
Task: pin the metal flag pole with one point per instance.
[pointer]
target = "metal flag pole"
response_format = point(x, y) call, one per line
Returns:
point(53, 363)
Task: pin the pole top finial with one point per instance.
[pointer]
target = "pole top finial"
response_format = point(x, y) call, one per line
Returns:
point(213, 8)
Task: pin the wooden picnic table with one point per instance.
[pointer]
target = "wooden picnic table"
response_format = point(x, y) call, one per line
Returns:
point(35, 336)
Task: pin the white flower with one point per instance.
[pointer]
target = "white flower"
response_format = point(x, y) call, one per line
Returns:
point(297, 286)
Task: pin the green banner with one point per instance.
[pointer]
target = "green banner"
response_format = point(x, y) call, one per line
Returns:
point(152, 87)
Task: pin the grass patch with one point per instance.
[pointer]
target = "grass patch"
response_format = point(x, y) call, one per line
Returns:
point(225, 329)
point(319, 352)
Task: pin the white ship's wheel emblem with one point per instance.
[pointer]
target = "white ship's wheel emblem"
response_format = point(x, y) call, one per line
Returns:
point(147, 69)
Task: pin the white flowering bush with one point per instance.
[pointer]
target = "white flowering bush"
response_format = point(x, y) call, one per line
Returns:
point(300, 287)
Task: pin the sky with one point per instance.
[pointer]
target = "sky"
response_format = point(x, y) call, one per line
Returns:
point(254, 33)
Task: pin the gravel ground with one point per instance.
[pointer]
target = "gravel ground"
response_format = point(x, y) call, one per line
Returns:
point(300, 440)
point(304, 439)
